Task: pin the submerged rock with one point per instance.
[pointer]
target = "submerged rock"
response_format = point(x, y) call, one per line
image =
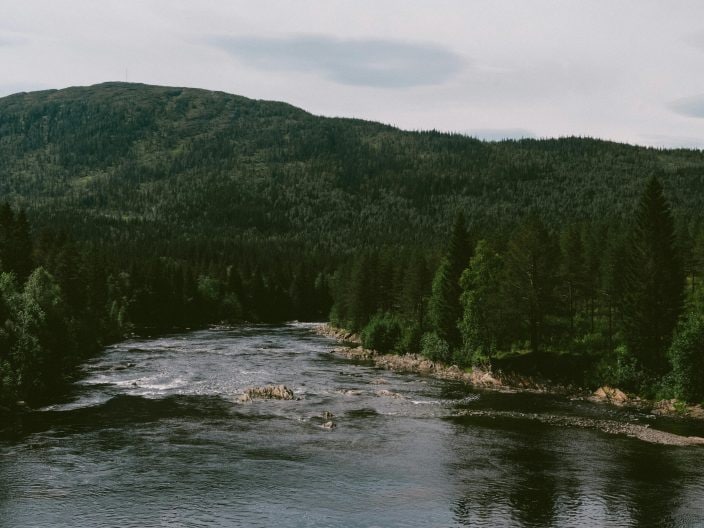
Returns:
point(350, 392)
point(329, 425)
point(268, 392)
point(327, 416)
point(388, 394)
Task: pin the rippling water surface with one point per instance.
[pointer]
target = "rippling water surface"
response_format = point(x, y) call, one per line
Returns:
point(155, 436)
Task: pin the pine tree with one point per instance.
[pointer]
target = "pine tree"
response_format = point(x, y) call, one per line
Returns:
point(531, 267)
point(444, 310)
point(415, 288)
point(15, 243)
point(654, 282)
point(572, 271)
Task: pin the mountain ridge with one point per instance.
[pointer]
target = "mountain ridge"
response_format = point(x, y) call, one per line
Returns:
point(160, 162)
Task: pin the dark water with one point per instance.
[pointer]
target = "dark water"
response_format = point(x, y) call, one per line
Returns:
point(156, 437)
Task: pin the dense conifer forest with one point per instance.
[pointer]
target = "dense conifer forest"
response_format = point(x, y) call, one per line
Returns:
point(140, 208)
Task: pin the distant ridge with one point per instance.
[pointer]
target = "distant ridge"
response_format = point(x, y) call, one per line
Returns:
point(123, 160)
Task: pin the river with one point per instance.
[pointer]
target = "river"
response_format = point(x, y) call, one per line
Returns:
point(154, 435)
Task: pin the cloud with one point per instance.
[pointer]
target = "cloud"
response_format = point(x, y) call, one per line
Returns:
point(667, 141)
point(695, 39)
point(18, 87)
point(9, 38)
point(498, 134)
point(689, 106)
point(365, 62)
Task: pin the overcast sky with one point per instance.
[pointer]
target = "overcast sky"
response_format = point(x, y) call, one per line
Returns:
point(624, 70)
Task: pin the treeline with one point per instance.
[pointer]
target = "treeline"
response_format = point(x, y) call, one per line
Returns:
point(590, 303)
point(60, 301)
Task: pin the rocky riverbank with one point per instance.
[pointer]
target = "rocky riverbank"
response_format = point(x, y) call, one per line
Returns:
point(505, 382)
point(416, 363)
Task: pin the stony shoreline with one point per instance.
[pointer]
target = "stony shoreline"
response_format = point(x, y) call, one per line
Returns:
point(351, 349)
point(477, 377)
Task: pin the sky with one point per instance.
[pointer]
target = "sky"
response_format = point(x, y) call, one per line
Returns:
point(630, 71)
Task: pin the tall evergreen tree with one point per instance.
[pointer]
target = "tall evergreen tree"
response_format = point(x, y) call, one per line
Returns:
point(444, 309)
point(572, 271)
point(532, 262)
point(15, 243)
point(414, 290)
point(654, 276)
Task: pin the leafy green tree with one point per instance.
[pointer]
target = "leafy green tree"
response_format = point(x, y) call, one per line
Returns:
point(9, 307)
point(482, 320)
point(42, 349)
point(654, 282)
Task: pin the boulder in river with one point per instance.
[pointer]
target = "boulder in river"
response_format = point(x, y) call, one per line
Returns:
point(329, 425)
point(268, 392)
point(609, 395)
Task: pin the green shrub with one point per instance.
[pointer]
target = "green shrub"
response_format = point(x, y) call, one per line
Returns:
point(434, 347)
point(382, 333)
point(687, 357)
point(411, 335)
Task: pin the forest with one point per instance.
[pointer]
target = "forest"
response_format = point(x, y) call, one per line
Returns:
point(132, 208)
point(589, 304)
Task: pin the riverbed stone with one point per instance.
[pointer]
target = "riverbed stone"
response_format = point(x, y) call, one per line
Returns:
point(268, 392)
point(388, 394)
point(611, 395)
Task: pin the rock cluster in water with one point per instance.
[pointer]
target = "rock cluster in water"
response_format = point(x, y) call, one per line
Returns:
point(268, 392)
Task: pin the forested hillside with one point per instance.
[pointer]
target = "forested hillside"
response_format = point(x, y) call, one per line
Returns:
point(178, 167)
point(137, 208)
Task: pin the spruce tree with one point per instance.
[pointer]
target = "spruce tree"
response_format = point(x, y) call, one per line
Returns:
point(572, 271)
point(530, 279)
point(444, 309)
point(654, 282)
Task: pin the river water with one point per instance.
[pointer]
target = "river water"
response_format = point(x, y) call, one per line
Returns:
point(154, 436)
